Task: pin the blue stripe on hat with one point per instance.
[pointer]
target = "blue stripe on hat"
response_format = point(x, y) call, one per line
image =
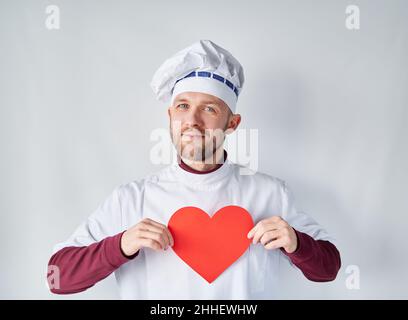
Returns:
point(216, 76)
point(204, 74)
point(229, 84)
point(207, 74)
point(191, 74)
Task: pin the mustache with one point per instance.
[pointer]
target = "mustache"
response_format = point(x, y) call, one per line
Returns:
point(193, 130)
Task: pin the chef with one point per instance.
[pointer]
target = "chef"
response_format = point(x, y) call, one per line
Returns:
point(129, 233)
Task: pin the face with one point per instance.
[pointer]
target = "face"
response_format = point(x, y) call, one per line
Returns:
point(199, 123)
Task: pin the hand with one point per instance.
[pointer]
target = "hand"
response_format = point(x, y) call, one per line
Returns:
point(274, 233)
point(147, 233)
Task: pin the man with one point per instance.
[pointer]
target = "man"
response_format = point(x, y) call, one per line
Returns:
point(129, 234)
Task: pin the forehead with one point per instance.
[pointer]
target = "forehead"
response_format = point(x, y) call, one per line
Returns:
point(199, 98)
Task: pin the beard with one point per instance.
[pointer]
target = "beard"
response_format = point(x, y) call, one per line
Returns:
point(199, 149)
point(202, 147)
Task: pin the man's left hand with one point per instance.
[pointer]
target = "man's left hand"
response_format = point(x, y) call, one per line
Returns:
point(274, 233)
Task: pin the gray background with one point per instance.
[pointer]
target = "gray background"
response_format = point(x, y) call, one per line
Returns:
point(330, 105)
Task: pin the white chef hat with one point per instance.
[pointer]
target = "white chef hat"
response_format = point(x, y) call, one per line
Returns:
point(202, 67)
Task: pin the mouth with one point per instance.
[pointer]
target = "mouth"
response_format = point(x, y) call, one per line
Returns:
point(193, 133)
point(191, 136)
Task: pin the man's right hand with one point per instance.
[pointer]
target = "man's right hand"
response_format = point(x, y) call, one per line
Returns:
point(147, 233)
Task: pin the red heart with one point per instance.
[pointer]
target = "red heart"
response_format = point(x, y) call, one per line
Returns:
point(210, 245)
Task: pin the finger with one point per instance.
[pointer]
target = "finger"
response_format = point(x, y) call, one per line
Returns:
point(154, 223)
point(269, 236)
point(266, 224)
point(262, 228)
point(164, 228)
point(251, 233)
point(150, 243)
point(258, 234)
point(170, 236)
point(159, 237)
point(158, 230)
point(275, 244)
point(151, 227)
point(275, 222)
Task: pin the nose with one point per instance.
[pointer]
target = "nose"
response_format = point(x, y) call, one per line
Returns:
point(192, 118)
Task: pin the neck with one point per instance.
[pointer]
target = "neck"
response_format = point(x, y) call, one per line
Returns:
point(208, 165)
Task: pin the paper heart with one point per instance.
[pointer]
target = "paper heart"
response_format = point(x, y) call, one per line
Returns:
point(209, 245)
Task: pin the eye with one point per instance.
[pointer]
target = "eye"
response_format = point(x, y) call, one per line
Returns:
point(182, 106)
point(209, 109)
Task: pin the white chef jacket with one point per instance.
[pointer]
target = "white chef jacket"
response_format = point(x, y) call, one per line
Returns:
point(162, 274)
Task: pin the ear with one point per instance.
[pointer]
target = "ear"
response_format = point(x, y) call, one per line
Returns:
point(233, 123)
point(168, 111)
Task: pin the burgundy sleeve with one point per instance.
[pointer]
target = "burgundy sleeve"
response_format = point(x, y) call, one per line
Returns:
point(82, 267)
point(319, 260)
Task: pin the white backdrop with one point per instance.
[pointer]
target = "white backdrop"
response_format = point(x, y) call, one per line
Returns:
point(330, 105)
